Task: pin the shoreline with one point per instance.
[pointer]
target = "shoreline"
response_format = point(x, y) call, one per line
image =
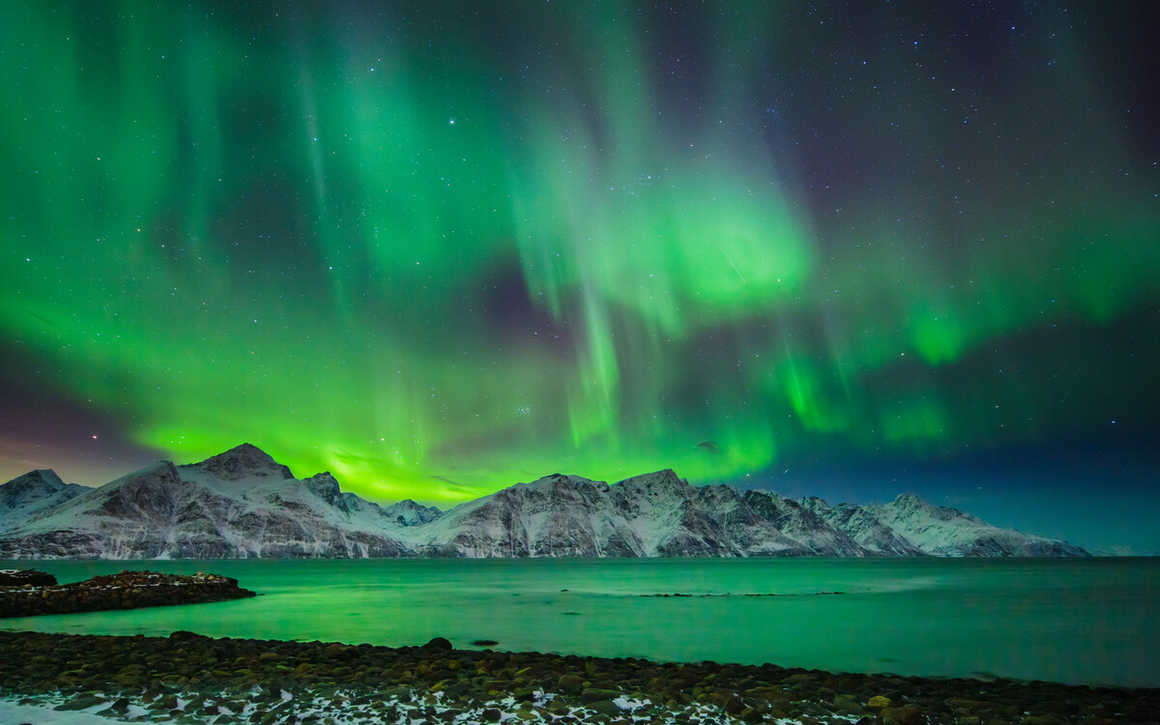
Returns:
point(190, 678)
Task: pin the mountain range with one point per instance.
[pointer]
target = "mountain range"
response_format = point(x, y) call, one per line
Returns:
point(244, 504)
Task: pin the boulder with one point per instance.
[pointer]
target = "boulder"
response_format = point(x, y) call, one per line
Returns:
point(878, 702)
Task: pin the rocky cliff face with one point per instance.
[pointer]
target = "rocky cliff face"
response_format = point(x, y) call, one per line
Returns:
point(863, 528)
point(242, 503)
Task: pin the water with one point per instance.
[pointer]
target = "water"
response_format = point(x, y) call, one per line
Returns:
point(1077, 621)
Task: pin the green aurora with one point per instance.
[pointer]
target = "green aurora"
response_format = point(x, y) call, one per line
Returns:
point(437, 252)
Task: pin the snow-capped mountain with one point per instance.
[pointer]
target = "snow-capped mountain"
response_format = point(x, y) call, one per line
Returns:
point(860, 525)
point(238, 504)
point(35, 491)
point(944, 531)
point(242, 503)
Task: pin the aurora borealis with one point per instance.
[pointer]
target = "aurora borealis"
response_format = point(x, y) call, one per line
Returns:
point(437, 248)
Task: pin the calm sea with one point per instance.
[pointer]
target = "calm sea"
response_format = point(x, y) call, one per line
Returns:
point(1085, 621)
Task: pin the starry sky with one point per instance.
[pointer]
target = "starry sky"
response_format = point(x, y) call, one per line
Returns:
point(844, 249)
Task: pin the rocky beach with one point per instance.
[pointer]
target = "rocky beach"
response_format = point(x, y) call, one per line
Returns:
point(188, 678)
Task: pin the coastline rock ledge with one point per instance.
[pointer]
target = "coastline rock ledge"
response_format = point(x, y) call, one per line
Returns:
point(127, 590)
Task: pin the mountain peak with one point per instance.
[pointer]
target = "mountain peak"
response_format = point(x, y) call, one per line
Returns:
point(665, 478)
point(409, 513)
point(40, 477)
point(32, 486)
point(909, 500)
point(243, 461)
point(324, 486)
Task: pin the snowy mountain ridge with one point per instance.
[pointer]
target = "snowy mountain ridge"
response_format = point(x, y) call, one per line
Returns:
point(244, 504)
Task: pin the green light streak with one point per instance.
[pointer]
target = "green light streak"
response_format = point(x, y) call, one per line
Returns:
point(403, 256)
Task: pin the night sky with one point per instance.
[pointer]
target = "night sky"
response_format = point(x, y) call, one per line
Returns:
point(438, 248)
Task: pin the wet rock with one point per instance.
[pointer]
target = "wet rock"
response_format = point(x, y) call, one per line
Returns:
point(80, 702)
point(438, 644)
point(878, 702)
point(847, 705)
point(905, 715)
point(734, 705)
point(570, 684)
point(596, 694)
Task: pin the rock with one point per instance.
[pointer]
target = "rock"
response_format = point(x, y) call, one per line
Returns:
point(570, 684)
point(734, 705)
point(337, 650)
point(491, 714)
point(878, 702)
point(605, 707)
point(438, 644)
point(905, 715)
point(80, 702)
point(185, 634)
point(847, 705)
point(596, 694)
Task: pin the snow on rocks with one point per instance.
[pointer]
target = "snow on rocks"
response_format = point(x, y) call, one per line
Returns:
point(195, 679)
point(127, 590)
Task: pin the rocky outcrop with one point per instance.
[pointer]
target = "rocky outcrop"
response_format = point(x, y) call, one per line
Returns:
point(25, 578)
point(127, 590)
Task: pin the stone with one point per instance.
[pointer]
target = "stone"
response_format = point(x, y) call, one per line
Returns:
point(605, 707)
point(596, 694)
point(734, 705)
point(80, 702)
point(878, 702)
point(337, 650)
point(441, 644)
point(570, 684)
point(905, 715)
point(847, 705)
